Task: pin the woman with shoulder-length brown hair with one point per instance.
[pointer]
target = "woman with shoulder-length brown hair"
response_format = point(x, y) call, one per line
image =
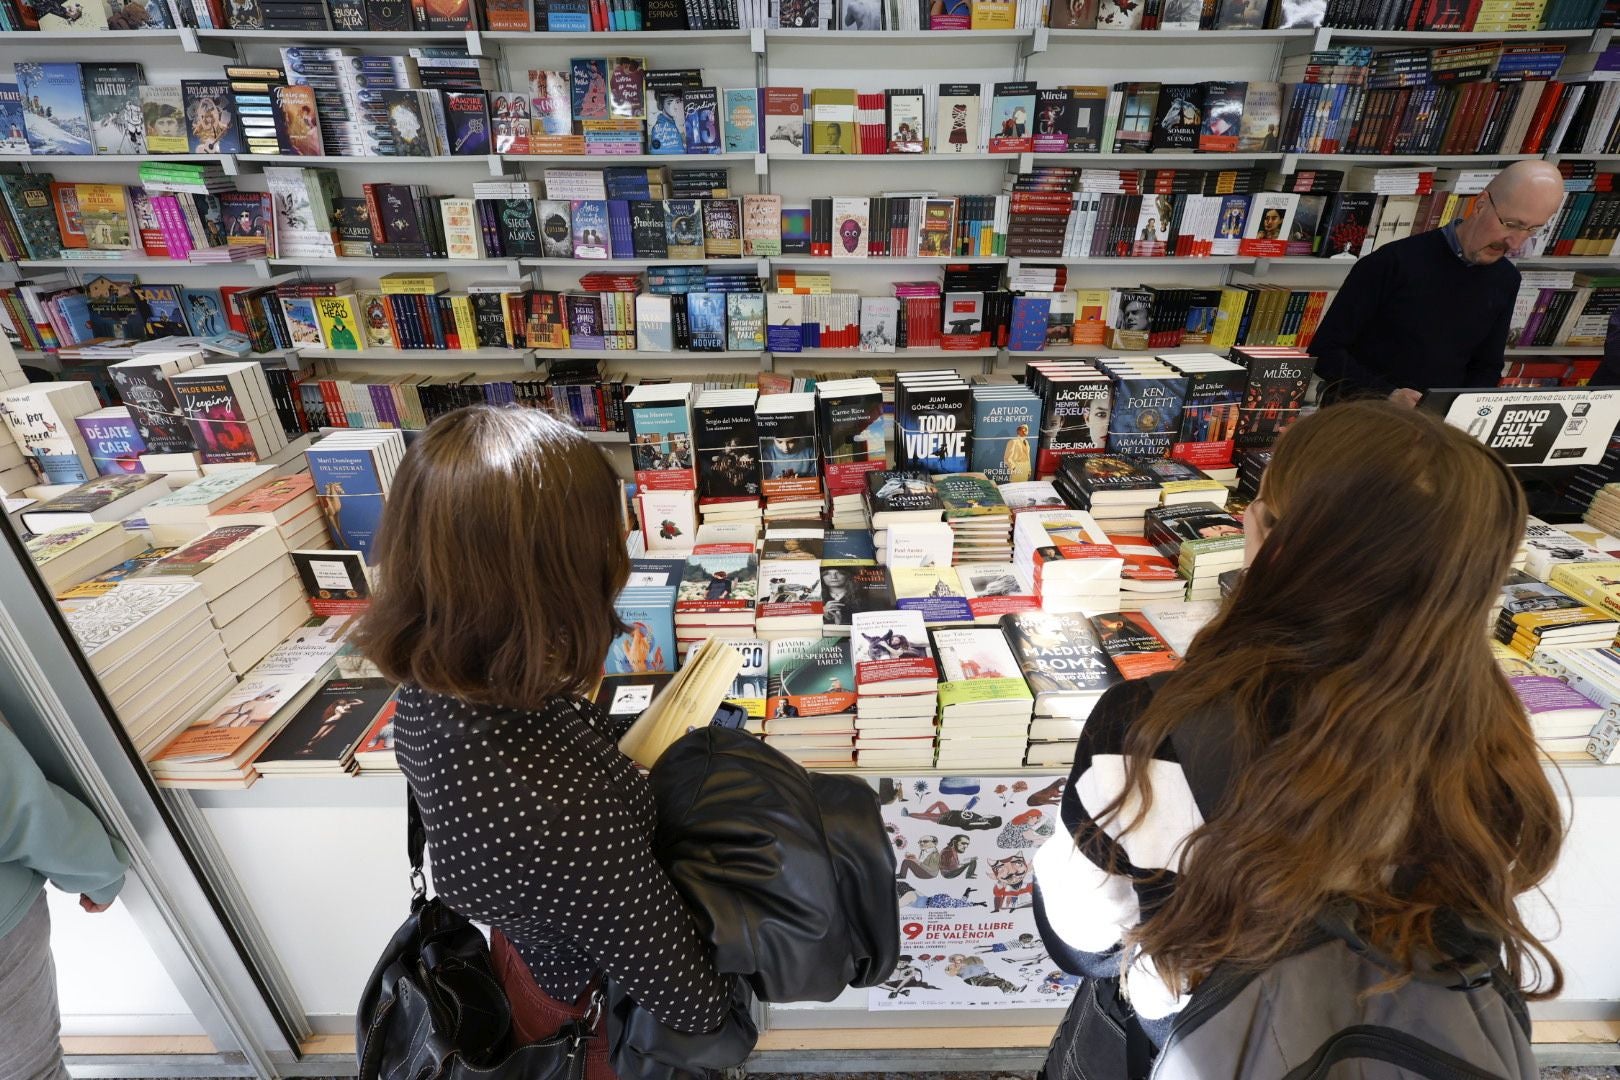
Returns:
point(499, 558)
point(1374, 753)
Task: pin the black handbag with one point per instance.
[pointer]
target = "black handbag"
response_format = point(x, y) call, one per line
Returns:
point(434, 1010)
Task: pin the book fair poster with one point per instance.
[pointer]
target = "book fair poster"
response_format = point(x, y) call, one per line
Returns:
point(965, 876)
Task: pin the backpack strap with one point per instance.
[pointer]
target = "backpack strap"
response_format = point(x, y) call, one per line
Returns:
point(1204, 752)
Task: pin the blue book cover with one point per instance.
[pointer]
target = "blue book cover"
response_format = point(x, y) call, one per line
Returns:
point(740, 121)
point(745, 321)
point(622, 238)
point(75, 308)
point(848, 546)
point(1006, 432)
point(350, 494)
point(1146, 416)
point(649, 643)
point(1028, 333)
point(568, 16)
point(115, 443)
point(702, 120)
point(163, 315)
point(706, 315)
point(55, 118)
point(935, 429)
point(589, 218)
point(205, 312)
point(61, 468)
point(13, 133)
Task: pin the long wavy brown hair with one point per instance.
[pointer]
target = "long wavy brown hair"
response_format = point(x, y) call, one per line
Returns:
point(1379, 754)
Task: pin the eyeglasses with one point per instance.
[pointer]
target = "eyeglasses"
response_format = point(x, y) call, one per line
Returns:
point(1512, 226)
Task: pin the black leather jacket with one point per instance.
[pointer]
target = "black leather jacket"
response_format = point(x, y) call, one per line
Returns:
point(789, 874)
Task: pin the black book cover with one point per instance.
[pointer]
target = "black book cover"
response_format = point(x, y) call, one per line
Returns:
point(489, 320)
point(520, 232)
point(406, 123)
point(935, 428)
point(1059, 652)
point(1180, 117)
point(353, 222)
point(400, 222)
point(333, 721)
point(467, 116)
point(389, 15)
point(727, 440)
point(901, 490)
point(647, 229)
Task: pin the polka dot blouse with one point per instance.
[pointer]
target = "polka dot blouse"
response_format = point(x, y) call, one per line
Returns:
point(539, 827)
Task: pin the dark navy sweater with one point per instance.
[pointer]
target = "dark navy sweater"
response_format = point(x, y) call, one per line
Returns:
point(1413, 314)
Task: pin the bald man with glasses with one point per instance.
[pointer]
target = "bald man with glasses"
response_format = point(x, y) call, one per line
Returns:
point(1432, 310)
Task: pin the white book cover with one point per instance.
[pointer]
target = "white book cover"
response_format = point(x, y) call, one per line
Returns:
point(105, 619)
point(880, 323)
point(668, 519)
point(927, 543)
point(655, 325)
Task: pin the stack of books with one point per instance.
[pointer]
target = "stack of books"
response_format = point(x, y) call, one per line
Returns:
point(1203, 539)
point(789, 474)
point(984, 704)
point(850, 427)
point(253, 594)
point(810, 701)
point(1116, 491)
point(287, 505)
point(156, 655)
point(218, 748)
point(42, 418)
point(68, 555)
point(1067, 559)
point(790, 602)
point(182, 515)
point(896, 680)
point(1537, 615)
point(321, 739)
point(102, 498)
point(717, 593)
point(353, 471)
point(1067, 670)
point(978, 517)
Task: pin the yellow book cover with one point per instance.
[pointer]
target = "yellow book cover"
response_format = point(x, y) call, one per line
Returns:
point(414, 284)
point(466, 328)
point(832, 121)
point(104, 216)
point(1227, 318)
point(991, 15)
point(339, 317)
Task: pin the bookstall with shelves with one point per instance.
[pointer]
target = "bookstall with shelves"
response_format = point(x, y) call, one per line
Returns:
point(810, 201)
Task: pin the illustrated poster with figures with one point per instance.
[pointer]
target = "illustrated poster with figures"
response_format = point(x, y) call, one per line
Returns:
point(964, 872)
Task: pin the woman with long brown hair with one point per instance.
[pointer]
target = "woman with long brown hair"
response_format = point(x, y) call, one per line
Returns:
point(499, 559)
point(1375, 756)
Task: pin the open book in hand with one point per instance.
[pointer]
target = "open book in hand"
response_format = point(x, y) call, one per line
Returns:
point(689, 701)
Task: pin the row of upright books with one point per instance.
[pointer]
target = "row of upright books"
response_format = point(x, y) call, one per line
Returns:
point(1486, 98)
point(579, 16)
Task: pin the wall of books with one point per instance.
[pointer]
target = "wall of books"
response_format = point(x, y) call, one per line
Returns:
point(939, 346)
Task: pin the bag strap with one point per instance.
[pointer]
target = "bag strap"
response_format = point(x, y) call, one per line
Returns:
point(415, 844)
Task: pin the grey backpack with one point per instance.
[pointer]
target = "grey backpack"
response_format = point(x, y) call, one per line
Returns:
point(1310, 1016)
